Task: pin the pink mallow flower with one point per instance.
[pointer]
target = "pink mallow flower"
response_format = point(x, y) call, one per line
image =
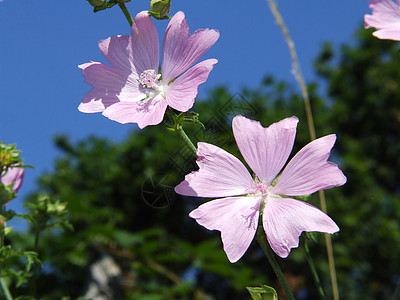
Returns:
point(132, 90)
point(266, 151)
point(13, 176)
point(385, 18)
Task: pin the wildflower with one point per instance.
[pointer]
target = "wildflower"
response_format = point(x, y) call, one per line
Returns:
point(132, 90)
point(14, 177)
point(385, 18)
point(266, 151)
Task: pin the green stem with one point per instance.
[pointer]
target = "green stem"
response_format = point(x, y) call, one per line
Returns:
point(5, 289)
point(262, 240)
point(126, 12)
point(186, 139)
point(313, 270)
point(2, 232)
point(36, 240)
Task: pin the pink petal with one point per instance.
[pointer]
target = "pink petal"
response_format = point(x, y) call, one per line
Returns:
point(385, 18)
point(144, 113)
point(145, 44)
point(118, 51)
point(236, 218)
point(266, 150)
point(181, 49)
point(110, 86)
point(96, 101)
point(14, 176)
point(284, 219)
point(388, 34)
point(183, 91)
point(309, 171)
point(220, 175)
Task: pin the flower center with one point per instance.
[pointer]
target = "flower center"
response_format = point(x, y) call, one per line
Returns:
point(149, 79)
point(260, 187)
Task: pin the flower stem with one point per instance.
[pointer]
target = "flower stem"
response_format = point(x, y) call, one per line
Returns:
point(296, 70)
point(127, 15)
point(186, 139)
point(262, 240)
point(313, 270)
point(5, 289)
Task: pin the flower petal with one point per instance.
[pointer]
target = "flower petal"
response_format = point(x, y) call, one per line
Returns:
point(145, 44)
point(182, 49)
point(284, 219)
point(110, 86)
point(220, 175)
point(144, 113)
point(118, 51)
point(236, 218)
point(96, 101)
point(266, 150)
point(183, 91)
point(385, 18)
point(309, 171)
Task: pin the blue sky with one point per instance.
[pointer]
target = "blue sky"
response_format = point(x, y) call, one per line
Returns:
point(43, 42)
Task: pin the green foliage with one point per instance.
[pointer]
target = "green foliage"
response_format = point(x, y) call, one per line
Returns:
point(363, 85)
point(17, 264)
point(263, 293)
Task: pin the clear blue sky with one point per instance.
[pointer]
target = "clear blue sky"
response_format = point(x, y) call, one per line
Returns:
point(43, 42)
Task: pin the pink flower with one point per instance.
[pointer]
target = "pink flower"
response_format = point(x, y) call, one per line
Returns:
point(132, 90)
point(385, 17)
point(13, 176)
point(266, 151)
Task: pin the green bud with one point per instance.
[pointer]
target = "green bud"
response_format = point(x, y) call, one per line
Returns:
point(160, 8)
point(97, 2)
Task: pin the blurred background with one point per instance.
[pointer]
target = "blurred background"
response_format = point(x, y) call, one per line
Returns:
point(131, 236)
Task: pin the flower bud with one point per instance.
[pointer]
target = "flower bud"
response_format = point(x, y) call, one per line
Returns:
point(160, 8)
point(96, 3)
point(14, 177)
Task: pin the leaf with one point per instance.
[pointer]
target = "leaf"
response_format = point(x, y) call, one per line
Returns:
point(263, 293)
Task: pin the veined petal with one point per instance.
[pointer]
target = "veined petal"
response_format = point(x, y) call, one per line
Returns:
point(266, 150)
point(104, 76)
point(236, 218)
point(284, 219)
point(220, 175)
point(118, 51)
point(385, 18)
point(144, 113)
point(309, 171)
point(110, 86)
point(183, 91)
point(145, 44)
point(182, 49)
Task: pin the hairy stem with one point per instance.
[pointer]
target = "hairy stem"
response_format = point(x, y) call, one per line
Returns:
point(186, 139)
point(296, 70)
point(127, 15)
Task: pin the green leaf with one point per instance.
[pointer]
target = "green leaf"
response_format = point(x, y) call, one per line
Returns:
point(263, 293)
